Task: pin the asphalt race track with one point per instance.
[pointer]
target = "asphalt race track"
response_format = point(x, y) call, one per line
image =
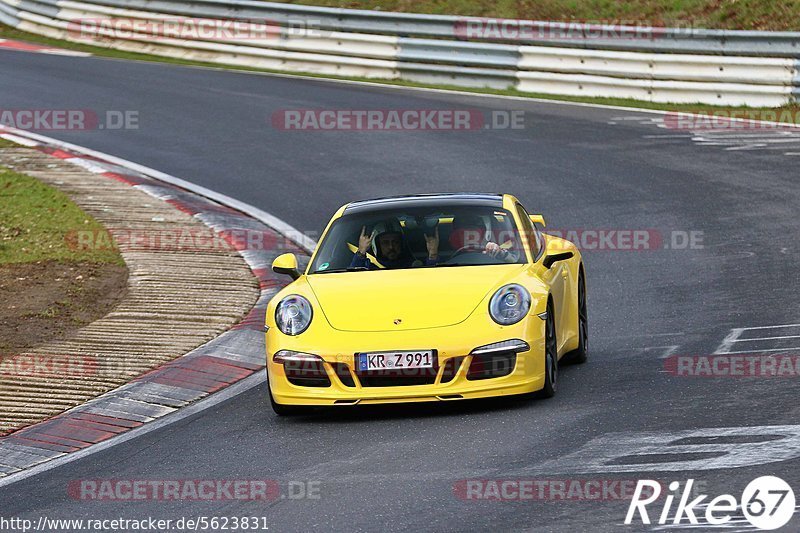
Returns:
point(584, 168)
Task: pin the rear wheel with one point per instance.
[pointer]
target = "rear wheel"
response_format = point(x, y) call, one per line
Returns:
point(550, 355)
point(578, 355)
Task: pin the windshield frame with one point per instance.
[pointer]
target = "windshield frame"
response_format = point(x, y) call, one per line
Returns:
point(508, 210)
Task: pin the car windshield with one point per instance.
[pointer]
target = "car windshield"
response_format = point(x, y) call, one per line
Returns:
point(418, 237)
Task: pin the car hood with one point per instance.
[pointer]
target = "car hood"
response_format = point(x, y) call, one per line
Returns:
point(396, 300)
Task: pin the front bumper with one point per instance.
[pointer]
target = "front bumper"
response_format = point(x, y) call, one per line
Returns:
point(454, 379)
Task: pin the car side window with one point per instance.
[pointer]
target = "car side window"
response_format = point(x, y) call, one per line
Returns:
point(529, 232)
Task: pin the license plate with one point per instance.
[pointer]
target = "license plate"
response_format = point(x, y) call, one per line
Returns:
point(394, 360)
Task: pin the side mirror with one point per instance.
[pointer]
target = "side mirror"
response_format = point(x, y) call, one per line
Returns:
point(550, 259)
point(286, 264)
point(538, 219)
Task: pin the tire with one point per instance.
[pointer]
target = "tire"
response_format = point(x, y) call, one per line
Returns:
point(550, 355)
point(578, 356)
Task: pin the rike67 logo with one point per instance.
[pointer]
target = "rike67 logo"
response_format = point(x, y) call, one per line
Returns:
point(767, 503)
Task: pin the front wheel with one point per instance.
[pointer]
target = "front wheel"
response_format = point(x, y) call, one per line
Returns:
point(578, 355)
point(550, 355)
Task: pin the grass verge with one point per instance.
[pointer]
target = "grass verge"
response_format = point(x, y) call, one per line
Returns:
point(35, 221)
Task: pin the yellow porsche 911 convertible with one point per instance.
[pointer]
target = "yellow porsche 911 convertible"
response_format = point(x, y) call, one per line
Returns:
point(435, 297)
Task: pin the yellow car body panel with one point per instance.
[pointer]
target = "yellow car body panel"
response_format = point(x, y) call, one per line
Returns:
point(441, 309)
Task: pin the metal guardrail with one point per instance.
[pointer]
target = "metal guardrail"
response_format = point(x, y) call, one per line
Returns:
point(399, 46)
point(541, 33)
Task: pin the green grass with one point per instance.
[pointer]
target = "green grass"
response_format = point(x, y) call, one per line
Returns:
point(36, 222)
point(789, 113)
point(720, 14)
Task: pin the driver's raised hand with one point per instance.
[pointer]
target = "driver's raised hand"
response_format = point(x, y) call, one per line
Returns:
point(364, 240)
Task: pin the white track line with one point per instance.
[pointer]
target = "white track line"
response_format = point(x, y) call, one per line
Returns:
point(19, 140)
point(760, 350)
point(735, 336)
point(668, 350)
point(774, 327)
point(727, 342)
point(768, 338)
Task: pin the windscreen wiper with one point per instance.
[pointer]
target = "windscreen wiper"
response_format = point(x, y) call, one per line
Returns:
point(334, 270)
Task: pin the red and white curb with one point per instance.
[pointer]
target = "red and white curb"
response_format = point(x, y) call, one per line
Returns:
point(214, 372)
point(20, 46)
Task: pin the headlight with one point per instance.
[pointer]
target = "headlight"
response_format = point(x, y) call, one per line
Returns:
point(510, 304)
point(293, 315)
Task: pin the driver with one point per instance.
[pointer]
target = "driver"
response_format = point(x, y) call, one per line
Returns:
point(387, 243)
point(469, 233)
